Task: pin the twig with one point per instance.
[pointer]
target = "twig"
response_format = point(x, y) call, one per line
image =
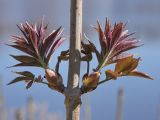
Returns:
point(103, 81)
point(88, 65)
point(57, 65)
point(42, 82)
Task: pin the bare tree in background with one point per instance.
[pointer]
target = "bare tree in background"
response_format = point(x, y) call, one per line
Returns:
point(3, 113)
point(19, 114)
point(120, 104)
point(114, 41)
point(30, 109)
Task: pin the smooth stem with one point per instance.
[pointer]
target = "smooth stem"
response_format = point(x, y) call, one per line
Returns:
point(88, 67)
point(103, 81)
point(45, 83)
point(72, 92)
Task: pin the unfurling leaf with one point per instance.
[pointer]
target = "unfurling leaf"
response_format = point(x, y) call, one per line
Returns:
point(64, 55)
point(101, 39)
point(111, 75)
point(37, 46)
point(29, 84)
point(26, 74)
point(19, 79)
point(127, 67)
point(87, 57)
point(87, 50)
point(39, 79)
point(28, 77)
point(123, 64)
point(90, 82)
point(55, 80)
point(24, 58)
point(140, 74)
point(118, 57)
point(114, 41)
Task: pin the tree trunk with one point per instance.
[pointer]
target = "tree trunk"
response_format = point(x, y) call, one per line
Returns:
point(72, 92)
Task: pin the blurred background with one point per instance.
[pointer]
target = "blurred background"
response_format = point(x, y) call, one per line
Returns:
point(139, 98)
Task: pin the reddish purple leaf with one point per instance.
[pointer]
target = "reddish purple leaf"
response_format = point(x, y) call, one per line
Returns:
point(24, 49)
point(35, 44)
point(54, 47)
point(26, 74)
point(19, 79)
point(29, 84)
point(48, 42)
point(116, 40)
point(102, 39)
point(24, 58)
